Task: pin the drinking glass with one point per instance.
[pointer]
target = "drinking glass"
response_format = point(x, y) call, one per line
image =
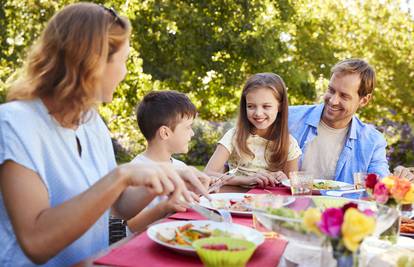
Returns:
point(359, 179)
point(301, 183)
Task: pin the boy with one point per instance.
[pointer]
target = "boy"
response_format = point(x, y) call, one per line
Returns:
point(165, 119)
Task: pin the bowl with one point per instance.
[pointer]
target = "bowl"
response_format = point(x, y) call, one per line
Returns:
point(224, 251)
point(287, 220)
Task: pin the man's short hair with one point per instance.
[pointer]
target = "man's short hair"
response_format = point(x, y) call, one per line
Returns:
point(160, 108)
point(361, 67)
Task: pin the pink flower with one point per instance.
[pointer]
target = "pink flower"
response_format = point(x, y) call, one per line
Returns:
point(331, 222)
point(381, 193)
point(371, 180)
point(369, 212)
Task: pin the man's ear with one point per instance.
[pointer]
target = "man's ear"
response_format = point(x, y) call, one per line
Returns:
point(365, 100)
point(164, 132)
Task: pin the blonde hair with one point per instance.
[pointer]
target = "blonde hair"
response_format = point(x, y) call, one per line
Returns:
point(278, 135)
point(360, 67)
point(68, 58)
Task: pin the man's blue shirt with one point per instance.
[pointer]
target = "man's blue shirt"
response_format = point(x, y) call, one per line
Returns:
point(364, 148)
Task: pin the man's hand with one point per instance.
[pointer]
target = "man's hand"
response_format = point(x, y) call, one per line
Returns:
point(403, 172)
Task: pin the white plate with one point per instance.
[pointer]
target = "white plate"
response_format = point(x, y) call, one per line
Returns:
point(233, 196)
point(407, 234)
point(342, 185)
point(226, 196)
point(249, 234)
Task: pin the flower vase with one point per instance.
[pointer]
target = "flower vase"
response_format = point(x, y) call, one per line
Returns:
point(393, 232)
point(342, 256)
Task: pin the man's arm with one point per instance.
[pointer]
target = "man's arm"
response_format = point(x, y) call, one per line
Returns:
point(379, 162)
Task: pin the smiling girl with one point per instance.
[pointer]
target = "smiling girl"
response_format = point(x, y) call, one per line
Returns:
point(260, 146)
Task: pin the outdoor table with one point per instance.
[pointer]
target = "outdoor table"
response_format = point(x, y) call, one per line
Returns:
point(139, 250)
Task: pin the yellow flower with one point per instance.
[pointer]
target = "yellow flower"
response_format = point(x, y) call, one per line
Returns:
point(409, 196)
point(311, 218)
point(355, 228)
point(389, 182)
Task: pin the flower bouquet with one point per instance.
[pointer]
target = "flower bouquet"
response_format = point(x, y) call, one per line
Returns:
point(393, 192)
point(344, 228)
point(307, 219)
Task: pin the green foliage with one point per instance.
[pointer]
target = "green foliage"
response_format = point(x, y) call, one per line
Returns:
point(204, 141)
point(208, 48)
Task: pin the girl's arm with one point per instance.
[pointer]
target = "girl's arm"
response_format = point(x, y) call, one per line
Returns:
point(218, 160)
point(43, 231)
point(291, 166)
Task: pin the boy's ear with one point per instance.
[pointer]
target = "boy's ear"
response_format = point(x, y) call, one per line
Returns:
point(164, 132)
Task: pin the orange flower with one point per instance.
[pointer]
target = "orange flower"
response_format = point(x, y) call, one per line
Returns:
point(400, 189)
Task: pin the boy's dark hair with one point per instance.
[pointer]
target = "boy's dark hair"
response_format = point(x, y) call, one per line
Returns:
point(160, 108)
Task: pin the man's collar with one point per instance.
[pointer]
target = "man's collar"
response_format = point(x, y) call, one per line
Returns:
point(316, 116)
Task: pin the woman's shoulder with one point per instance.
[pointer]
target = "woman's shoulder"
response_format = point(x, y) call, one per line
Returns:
point(19, 111)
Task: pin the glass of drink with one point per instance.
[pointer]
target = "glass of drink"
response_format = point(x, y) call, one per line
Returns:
point(263, 201)
point(301, 183)
point(359, 179)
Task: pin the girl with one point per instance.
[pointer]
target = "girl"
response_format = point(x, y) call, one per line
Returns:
point(58, 175)
point(260, 146)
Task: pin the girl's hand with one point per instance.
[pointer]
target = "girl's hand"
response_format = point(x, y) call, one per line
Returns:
point(258, 179)
point(279, 176)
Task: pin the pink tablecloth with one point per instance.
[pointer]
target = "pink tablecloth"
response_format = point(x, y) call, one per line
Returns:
point(141, 251)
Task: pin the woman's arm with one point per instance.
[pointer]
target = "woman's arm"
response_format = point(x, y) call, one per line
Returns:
point(43, 231)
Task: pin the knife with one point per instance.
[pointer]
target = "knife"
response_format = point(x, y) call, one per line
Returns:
point(209, 214)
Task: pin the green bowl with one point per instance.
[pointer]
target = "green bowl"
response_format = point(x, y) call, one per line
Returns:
point(228, 258)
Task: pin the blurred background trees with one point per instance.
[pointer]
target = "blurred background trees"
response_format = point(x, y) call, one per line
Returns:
point(208, 48)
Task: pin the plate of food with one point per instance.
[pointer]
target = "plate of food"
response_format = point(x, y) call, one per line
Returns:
point(179, 235)
point(236, 203)
point(319, 184)
point(407, 227)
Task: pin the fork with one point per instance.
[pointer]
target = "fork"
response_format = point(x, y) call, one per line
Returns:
point(223, 179)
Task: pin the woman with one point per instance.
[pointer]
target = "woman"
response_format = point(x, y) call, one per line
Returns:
point(58, 175)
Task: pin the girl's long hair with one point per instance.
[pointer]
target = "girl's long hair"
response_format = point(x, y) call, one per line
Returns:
point(67, 61)
point(278, 135)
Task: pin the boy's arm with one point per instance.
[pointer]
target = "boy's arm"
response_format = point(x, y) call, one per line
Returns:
point(140, 222)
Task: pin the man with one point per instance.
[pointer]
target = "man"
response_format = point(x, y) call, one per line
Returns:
point(335, 142)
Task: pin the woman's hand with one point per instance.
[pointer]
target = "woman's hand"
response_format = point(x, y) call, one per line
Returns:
point(175, 203)
point(195, 180)
point(158, 178)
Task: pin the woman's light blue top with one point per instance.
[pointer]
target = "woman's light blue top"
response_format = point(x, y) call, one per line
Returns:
point(30, 137)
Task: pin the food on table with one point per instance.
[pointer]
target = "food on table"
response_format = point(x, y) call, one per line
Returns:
point(326, 185)
point(233, 204)
point(185, 235)
point(221, 247)
point(407, 225)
